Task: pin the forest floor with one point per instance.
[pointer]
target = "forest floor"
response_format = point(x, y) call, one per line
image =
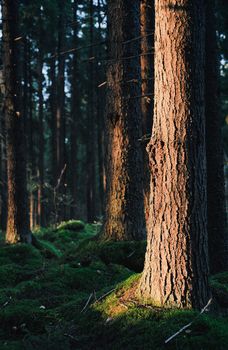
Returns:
point(75, 292)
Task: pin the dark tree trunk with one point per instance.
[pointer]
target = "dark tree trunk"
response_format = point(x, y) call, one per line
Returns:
point(60, 106)
point(3, 176)
point(124, 199)
point(176, 264)
point(147, 74)
point(74, 116)
point(91, 129)
point(53, 121)
point(217, 230)
point(40, 195)
point(18, 218)
point(100, 119)
point(30, 139)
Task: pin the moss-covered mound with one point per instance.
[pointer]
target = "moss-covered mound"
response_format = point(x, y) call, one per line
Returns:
point(72, 225)
point(73, 291)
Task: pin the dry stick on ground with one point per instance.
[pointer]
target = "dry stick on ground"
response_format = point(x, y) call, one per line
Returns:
point(103, 296)
point(87, 303)
point(190, 323)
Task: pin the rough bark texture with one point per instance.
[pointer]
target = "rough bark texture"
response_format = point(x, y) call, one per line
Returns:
point(18, 219)
point(217, 230)
point(147, 74)
point(176, 264)
point(124, 203)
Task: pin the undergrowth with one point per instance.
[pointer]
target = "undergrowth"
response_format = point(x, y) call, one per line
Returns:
point(75, 292)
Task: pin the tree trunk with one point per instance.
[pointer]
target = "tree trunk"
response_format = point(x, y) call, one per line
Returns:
point(217, 230)
point(91, 129)
point(100, 75)
point(3, 177)
point(52, 100)
point(124, 202)
point(18, 218)
point(60, 106)
point(74, 115)
point(176, 264)
point(40, 204)
point(147, 74)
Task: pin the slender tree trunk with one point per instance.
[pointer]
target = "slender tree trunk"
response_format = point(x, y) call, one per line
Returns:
point(53, 118)
point(18, 218)
point(147, 74)
point(60, 105)
point(40, 194)
point(176, 264)
point(91, 129)
point(217, 230)
point(74, 115)
point(30, 139)
point(124, 202)
point(100, 119)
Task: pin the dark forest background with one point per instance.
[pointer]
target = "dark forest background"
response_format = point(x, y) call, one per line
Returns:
point(63, 59)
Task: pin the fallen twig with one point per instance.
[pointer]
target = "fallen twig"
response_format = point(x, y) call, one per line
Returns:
point(190, 323)
point(103, 296)
point(87, 303)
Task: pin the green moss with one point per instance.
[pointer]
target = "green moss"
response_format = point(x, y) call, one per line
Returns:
point(48, 249)
point(128, 254)
point(43, 293)
point(219, 286)
point(20, 254)
point(72, 225)
point(17, 316)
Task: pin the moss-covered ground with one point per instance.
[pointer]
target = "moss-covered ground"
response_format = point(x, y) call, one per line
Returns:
point(74, 292)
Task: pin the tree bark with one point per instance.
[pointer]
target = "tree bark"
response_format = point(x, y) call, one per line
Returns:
point(91, 128)
point(60, 107)
point(40, 194)
point(3, 176)
point(18, 218)
point(217, 230)
point(176, 264)
point(147, 74)
point(124, 198)
point(74, 115)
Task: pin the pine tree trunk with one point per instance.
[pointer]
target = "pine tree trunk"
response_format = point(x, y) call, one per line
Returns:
point(18, 218)
point(176, 264)
point(40, 204)
point(30, 139)
point(3, 177)
point(124, 202)
point(60, 107)
point(147, 74)
point(74, 115)
point(53, 119)
point(217, 230)
point(91, 129)
point(100, 118)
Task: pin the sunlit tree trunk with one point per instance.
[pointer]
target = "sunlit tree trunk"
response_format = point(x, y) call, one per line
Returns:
point(124, 202)
point(176, 264)
point(18, 218)
point(217, 230)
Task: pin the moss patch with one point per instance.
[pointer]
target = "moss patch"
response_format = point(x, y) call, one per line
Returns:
point(76, 292)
